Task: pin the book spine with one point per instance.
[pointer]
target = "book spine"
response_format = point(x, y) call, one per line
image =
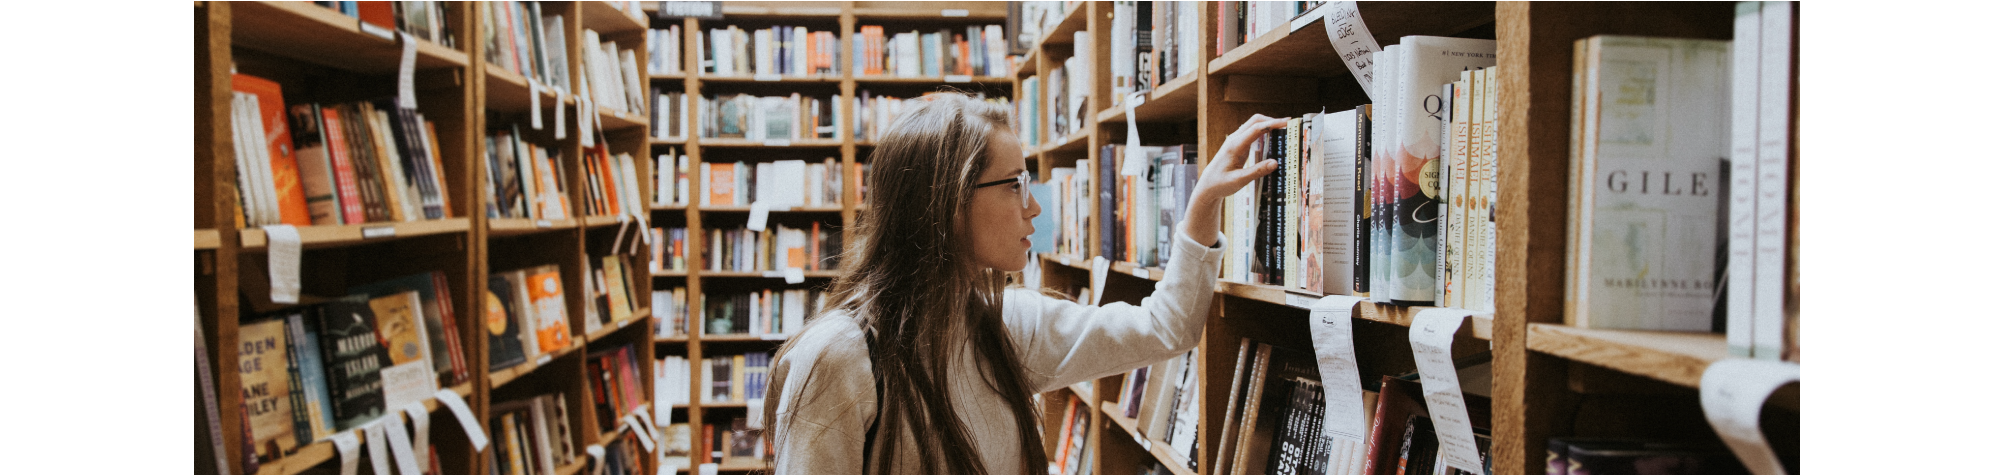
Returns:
point(1774, 104)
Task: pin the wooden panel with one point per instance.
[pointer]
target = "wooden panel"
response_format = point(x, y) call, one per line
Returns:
point(319, 35)
point(606, 18)
point(1307, 52)
point(931, 10)
point(1673, 357)
point(330, 236)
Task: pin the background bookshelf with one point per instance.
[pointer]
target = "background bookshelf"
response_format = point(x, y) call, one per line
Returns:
point(1548, 379)
point(320, 55)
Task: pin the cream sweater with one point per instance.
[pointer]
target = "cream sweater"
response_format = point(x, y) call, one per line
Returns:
point(821, 424)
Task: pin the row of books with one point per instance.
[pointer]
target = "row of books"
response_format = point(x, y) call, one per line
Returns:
point(1065, 198)
point(1027, 20)
point(1145, 201)
point(670, 178)
point(670, 249)
point(1663, 235)
point(781, 184)
point(776, 248)
point(768, 118)
point(1068, 87)
point(734, 443)
point(611, 184)
point(669, 115)
point(1074, 454)
point(610, 75)
point(671, 306)
point(536, 316)
point(615, 387)
point(525, 179)
point(1029, 115)
point(767, 313)
point(719, 379)
point(1278, 403)
point(523, 40)
point(1163, 399)
point(625, 455)
point(873, 112)
point(1241, 22)
point(308, 372)
point(663, 50)
point(313, 164)
point(424, 20)
point(1152, 44)
point(772, 51)
point(531, 436)
point(611, 293)
point(977, 50)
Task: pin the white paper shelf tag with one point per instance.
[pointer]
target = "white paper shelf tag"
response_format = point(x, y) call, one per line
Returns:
point(760, 213)
point(350, 452)
point(420, 429)
point(1430, 342)
point(1732, 397)
point(399, 444)
point(1332, 325)
point(561, 129)
point(378, 446)
point(406, 73)
point(1352, 42)
point(534, 105)
point(283, 251)
point(1099, 267)
point(1134, 161)
point(465, 419)
point(645, 438)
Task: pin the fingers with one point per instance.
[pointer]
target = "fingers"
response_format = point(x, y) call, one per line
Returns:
point(1237, 146)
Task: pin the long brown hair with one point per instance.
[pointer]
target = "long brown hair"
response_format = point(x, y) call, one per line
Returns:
point(911, 284)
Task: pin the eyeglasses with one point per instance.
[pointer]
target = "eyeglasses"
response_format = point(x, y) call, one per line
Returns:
point(1020, 181)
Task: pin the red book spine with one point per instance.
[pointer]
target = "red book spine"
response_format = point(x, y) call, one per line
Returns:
point(459, 373)
point(343, 167)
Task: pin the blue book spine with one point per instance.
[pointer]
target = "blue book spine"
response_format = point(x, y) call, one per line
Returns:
point(312, 376)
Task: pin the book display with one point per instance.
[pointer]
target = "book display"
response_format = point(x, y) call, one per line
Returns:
point(480, 224)
point(1406, 186)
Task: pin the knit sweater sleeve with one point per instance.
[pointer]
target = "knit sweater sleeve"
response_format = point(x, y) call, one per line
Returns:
point(1063, 343)
point(825, 399)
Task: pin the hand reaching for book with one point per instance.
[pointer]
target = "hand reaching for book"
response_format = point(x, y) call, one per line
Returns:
point(1227, 172)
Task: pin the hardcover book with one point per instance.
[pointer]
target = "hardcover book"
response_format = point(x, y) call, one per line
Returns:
point(503, 330)
point(262, 362)
point(354, 359)
point(440, 324)
point(1656, 121)
point(1425, 64)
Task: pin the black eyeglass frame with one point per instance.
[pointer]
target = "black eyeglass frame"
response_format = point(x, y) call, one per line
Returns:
point(1021, 179)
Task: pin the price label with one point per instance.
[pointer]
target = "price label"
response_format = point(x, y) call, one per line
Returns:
point(378, 232)
point(956, 12)
point(1300, 301)
point(543, 223)
point(379, 32)
point(773, 336)
point(767, 77)
point(1064, 260)
point(1141, 272)
point(958, 78)
point(778, 143)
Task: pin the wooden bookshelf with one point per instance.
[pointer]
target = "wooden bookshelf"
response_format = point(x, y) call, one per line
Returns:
point(1542, 369)
point(319, 55)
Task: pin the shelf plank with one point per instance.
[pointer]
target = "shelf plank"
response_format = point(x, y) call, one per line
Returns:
point(746, 209)
point(1161, 451)
point(607, 19)
point(671, 273)
point(783, 79)
point(1482, 325)
point(671, 340)
point(743, 143)
point(741, 338)
point(1026, 67)
point(667, 76)
point(638, 315)
point(508, 375)
point(328, 236)
point(205, 239)
point(319, 35)
point(672, 142)
point(811, 274)
point(1174, 101)
point(508, 91)
point(926, 80)
point(785, 9)
point(1078, 142)
point(1673, 357)
point(931, 11)
point(501, 227)
point(322, 451)
point(613, 119)
point(1307, 52)
point(1065, 31)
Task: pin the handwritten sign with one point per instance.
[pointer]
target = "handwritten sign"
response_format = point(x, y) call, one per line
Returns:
point(1352, 41)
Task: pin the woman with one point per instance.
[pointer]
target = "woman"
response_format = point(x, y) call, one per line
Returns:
point(924, 348)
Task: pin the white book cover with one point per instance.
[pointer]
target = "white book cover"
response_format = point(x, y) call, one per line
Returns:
point(1381, 223)
point(1774, 96)
point(1424, 65)
point(786, 183)
point(762, 51)
point(909, 61)
point(1661, 123)
point(1486, 243)
point(1123, 37)
point(996, 51)
point(1455, 210)
point(1743, 176)
point(1335, 133)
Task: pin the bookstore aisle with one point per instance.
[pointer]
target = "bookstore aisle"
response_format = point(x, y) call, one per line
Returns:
point(1475, 257)
point(566, 237)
